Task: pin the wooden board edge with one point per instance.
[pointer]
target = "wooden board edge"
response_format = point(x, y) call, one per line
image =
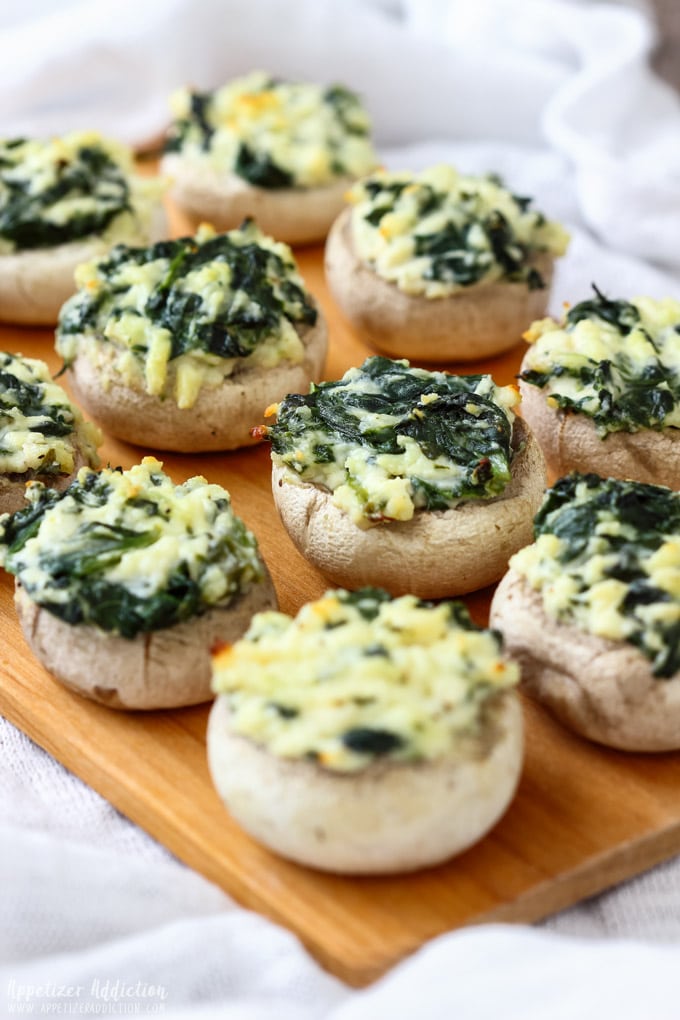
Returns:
point(549, 897)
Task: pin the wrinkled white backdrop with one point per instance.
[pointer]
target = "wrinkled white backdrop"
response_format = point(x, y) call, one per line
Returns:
point(555, 95)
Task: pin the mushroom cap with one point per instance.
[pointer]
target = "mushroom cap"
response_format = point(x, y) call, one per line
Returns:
point(389, 817)
point(166, 668)
point(476, 322)
point(599, 688)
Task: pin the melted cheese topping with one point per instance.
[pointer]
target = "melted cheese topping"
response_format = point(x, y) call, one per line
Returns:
point(129, 551)
point(396, 214)
point(351, 678)
point(372, 486)
point(126, 342)
point(622, 580)
point(36, 168)
point(582, 362)
point(295, 126)
point(40, 430)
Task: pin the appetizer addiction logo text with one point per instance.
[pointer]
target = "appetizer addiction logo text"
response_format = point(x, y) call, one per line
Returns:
point(102, 997)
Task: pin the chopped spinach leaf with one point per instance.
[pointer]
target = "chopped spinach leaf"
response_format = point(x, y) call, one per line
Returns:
point(366, 601)
point(623, 315)
point(259, 168)
point(365, 740)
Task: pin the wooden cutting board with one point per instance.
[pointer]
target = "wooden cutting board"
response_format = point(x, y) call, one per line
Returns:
point(583, 819)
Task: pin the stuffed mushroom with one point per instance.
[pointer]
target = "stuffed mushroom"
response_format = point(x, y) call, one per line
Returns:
point(43, 437)
point(440, 266)
point(125, 580)
point(179, 346)
point(414, 481)
point(591, 611)
point(62, 202)
point(281, 152)
point(366, 735)
point(601, 389)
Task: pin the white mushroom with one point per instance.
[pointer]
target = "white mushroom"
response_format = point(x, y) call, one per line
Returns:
point(601, 688)
point(478, 321)
point(164, 668)
point(390, 817)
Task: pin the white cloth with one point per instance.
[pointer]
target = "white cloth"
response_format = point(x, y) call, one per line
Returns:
point(571, 74)
point(556, 96)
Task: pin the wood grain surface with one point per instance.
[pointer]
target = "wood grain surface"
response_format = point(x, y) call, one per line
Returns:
point(583, 819)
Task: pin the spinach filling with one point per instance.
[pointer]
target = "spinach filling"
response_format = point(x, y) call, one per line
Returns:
point(454, 259)
point(69, 577)
point(29, 398)
point(25, 211)
point(473, 237)
point(577, 509)
point(40, 431)
point(359, 676)
point(254, 161)
point(376, 409)
point(197, 119)
point(622, 392)
point(234, 330)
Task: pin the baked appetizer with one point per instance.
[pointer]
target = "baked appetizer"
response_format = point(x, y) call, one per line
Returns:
point(282, 152)
point(125, 581)
point(179, 346)
point(61, 202)
point(43, 436)
point(601, 389)
point(366, 735)
point(591, 611)
point(415, 481)
point(440, 266)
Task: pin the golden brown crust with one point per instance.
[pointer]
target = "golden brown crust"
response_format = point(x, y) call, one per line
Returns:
point(477, 322)
point(293, 215)
point(221, 417)
point(390, 817)
point(601, 689)
point(165, 668)
point(434, 555)
point(570, 443)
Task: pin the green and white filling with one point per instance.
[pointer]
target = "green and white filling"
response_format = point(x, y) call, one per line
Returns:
point(360, 676)
point(129, 551)
point(40, 430)
point(607, 558)
point(178, 315)
point(272, 133)
point(69, 189)
point(616, 362)
point(387, 439)
point(438, 231)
